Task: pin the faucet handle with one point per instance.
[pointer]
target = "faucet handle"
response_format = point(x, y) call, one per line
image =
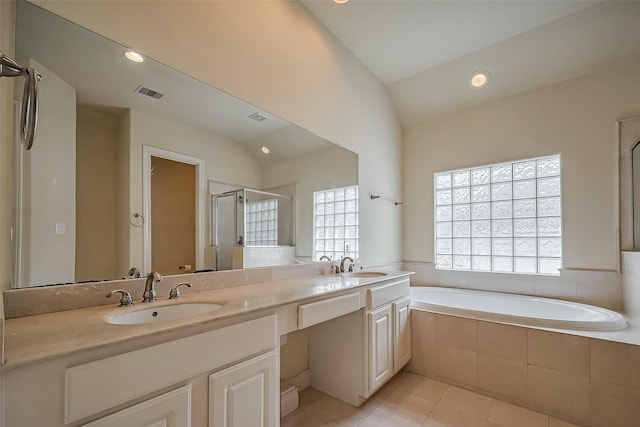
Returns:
point(175, 292)
point(336, 268)
point(125, 297)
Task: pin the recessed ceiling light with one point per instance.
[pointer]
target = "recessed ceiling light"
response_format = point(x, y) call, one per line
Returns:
point(340, 1)
point(264, 149)
point(479, 78)
point(133, 56)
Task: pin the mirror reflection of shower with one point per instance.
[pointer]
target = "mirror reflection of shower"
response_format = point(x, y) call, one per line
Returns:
point(251, 228)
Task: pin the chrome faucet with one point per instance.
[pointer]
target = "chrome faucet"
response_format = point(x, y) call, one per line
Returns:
point(342, 263)
point(133, 273)
point(149, 294)
point(324, 257)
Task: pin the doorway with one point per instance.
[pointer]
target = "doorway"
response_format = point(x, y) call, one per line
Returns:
point(629, 136)
point(173, 209)
point(173, 189)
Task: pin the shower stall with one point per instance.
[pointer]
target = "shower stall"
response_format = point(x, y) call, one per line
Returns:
point(251, 228)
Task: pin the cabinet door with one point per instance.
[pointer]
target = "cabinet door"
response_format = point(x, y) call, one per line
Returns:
point(246, 394)
point(172, 409)
point(380, 346)
point(401, 333)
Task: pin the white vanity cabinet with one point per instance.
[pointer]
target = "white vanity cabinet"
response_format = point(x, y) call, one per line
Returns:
point(162, 385)
point(246, 395)
point(223, 372)
point(380, 346)
point(389, 331)
point(351, 356)
point(401, 332)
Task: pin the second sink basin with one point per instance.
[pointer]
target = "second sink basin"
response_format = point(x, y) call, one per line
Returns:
point(368, 274)
point(164, 313)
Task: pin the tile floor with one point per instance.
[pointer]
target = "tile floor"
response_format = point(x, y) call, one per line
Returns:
point(413, 400)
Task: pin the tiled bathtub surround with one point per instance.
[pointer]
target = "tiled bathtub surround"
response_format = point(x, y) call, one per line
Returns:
point(631, 284)
point(601, 288)
point(584, 380)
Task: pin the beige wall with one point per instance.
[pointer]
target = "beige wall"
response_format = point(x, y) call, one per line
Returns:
point(49, 187)
point(123, 199)
point(96, 194)
point(276, 56)
point(294, 355)
point(576, 118)
point(331, 168)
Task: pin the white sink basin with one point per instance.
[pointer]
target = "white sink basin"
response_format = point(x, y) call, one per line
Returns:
point(163, 313)
point(368, 274)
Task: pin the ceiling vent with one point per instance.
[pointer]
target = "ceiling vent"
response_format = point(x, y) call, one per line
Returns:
point(149, 92)
point(258, 117)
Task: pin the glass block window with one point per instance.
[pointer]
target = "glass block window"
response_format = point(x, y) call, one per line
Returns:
point(504, 217)
point(262, 223)
point(335, 223)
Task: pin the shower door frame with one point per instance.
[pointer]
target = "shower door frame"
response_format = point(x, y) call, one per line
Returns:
point(213, 225)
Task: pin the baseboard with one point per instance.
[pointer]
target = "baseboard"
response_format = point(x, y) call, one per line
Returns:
point(301, 381)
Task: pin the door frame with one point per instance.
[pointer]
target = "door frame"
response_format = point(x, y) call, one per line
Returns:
point(628, 136)
point(201, 193)
point(18, 207)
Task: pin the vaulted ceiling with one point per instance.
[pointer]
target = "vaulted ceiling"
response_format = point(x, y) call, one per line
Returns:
point(425, 51)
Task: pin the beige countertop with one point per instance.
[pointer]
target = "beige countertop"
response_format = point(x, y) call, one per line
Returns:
point(33, 339)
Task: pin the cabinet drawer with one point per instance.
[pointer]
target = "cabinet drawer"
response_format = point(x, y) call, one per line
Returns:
point(320, 311)
point(386, 293)
point(169, 409)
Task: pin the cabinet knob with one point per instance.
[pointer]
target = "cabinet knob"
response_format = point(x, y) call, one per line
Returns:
point(175, 292)
point(125, 297)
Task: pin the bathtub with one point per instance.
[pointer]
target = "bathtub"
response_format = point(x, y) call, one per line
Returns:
point(515, 309)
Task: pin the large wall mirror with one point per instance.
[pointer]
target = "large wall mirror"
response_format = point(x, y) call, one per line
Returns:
point(128, 155)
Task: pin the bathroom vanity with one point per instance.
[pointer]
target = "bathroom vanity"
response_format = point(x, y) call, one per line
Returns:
point(221, 368)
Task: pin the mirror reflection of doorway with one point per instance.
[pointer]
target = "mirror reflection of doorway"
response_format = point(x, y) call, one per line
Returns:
point(629, 184)
point(173, 209)
point(635, 185)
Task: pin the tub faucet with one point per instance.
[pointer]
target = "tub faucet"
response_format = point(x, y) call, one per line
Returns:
point(342, 263)
point(324, 257)
point(149, 294)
